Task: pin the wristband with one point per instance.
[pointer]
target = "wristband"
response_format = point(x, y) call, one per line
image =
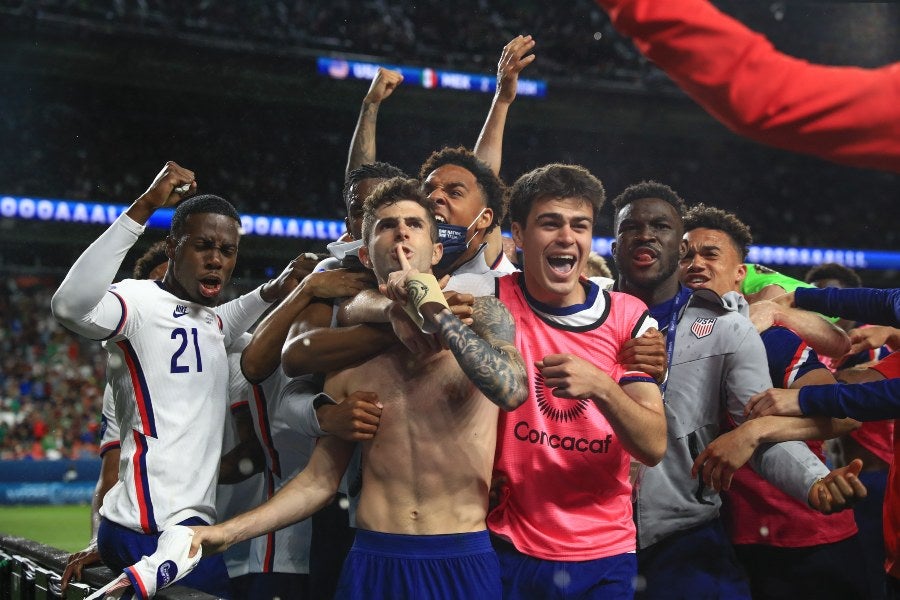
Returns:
point(423, 289)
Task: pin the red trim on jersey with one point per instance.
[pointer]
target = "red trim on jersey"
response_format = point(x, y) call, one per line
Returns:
point(265, 430)
point(142, 484)
point(140, 588)
point(141, 391)
point(114, 445)
point(121, 323)
point(790, 373)
point(268, 565)
point(239, 405)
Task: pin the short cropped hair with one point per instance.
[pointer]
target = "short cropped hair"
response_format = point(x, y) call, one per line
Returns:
point(491, 186)
point(555, 180)
point(205, 203)
point(375, 170)
point(152, 258)
point(649, 189)
point(710, 217)
point(845, 275)
point(390, 192)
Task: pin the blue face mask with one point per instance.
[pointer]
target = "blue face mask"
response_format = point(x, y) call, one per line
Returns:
point(454, 239)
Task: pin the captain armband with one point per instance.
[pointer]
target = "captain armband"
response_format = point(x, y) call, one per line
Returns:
point(423, 289)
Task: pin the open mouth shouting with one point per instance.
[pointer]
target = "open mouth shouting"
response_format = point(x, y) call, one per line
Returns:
point(210, 286)
point(562, 263)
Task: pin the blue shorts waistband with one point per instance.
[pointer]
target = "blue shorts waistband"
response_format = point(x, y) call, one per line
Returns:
point(449, 545)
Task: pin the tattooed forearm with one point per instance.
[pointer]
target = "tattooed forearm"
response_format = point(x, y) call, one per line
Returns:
point(486, 352)
point(362, 148)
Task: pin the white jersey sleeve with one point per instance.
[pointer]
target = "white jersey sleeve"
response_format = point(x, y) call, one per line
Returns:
point(240, 314)
point(82, 302)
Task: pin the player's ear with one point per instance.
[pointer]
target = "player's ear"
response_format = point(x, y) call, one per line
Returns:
point(364, 257)
point(436, 253)
point(171, 244)
point(518, 235)
point(486, 218)
point(741, 275)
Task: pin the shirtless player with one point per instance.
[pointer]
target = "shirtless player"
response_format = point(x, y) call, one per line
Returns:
point(427, 470)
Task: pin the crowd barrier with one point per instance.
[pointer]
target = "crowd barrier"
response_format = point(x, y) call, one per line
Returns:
point(31, 571)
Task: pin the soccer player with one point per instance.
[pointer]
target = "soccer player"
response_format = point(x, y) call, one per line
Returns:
point(152, 265)
point(287, 425)
point(563, 522)
point(427, 469)
point(788, 549)
point(167, 365)
point(873, 442)
point(716, 362)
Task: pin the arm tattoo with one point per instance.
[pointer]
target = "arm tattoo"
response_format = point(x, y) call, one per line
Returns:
point(486, 351)
point(363, 151)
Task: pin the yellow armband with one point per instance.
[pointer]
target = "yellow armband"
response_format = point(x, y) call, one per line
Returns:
point(423, 289)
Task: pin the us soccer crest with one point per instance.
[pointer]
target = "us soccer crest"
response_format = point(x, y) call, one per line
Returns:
point(702, 327)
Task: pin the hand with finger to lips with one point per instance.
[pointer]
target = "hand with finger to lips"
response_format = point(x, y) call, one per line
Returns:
point(421, 293)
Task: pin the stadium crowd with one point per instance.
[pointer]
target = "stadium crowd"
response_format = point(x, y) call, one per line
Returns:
point(52, 380)
point(520, 361)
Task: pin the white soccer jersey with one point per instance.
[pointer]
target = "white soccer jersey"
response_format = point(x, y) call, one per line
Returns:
point(237, 498)
point(169, 373)
point(109, 426)
point(282, 411)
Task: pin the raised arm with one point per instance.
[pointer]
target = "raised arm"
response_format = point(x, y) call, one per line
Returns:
point(82, 303)
point(362, 145)
point(513, 59)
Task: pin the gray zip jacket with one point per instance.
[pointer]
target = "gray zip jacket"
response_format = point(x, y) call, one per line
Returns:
point(719, 362)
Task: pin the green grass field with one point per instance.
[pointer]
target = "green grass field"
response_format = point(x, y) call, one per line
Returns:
point(66, 527)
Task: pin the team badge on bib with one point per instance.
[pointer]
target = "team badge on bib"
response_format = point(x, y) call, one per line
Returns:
point(703, 327)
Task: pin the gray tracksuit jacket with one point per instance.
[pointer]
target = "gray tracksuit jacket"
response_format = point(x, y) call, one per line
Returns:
point(719, 362)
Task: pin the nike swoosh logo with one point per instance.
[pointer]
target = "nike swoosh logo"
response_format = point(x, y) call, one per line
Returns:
point(177, 314)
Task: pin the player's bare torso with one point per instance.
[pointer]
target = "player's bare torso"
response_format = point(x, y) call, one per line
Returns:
point(427, 471)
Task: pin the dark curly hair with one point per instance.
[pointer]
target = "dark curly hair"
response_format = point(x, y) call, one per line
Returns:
point(375, 170)
point(649, 189)
point(710, 217)
point(152, 258)
point(491, 186)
